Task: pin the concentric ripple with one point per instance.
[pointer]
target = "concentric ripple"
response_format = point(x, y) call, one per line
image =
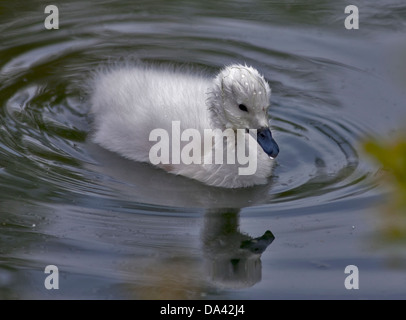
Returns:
point(45, 148)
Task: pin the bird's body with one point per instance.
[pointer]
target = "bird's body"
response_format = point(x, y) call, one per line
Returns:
point(129, 103)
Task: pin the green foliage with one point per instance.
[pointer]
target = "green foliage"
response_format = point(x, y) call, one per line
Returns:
point(392, 157)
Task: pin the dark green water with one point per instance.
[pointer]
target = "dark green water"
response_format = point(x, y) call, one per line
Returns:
point(119, 229)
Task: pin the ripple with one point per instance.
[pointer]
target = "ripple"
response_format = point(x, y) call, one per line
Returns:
point(45, 153)
point(320, 157)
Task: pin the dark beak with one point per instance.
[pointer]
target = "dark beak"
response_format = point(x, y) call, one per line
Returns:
point(267, 143)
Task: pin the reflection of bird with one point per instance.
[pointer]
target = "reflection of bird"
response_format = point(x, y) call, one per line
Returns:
point(128, 103)
point(233, 257)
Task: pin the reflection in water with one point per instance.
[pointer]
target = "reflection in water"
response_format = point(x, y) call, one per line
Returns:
point(137, 256)
point(233, 258)
point(228, 257)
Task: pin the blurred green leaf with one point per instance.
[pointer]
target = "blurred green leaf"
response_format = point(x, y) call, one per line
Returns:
point(392, 157)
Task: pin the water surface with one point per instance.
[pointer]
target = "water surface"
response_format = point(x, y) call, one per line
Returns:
point(120, 229)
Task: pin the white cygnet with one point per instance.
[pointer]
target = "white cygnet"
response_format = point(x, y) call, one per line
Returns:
point(186, 123)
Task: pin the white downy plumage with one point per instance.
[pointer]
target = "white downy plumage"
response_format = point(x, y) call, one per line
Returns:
point(128, 102)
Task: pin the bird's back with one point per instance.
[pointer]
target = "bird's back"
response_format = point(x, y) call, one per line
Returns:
point(128, 103)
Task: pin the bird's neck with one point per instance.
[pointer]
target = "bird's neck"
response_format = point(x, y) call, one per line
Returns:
point(218, 119)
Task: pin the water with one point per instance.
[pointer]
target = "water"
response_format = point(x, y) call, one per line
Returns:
point(120, 229)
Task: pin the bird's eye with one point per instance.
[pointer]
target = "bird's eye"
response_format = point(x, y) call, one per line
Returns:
point(243, 107)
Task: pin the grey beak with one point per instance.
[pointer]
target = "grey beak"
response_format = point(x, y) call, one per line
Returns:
point(267, 143)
